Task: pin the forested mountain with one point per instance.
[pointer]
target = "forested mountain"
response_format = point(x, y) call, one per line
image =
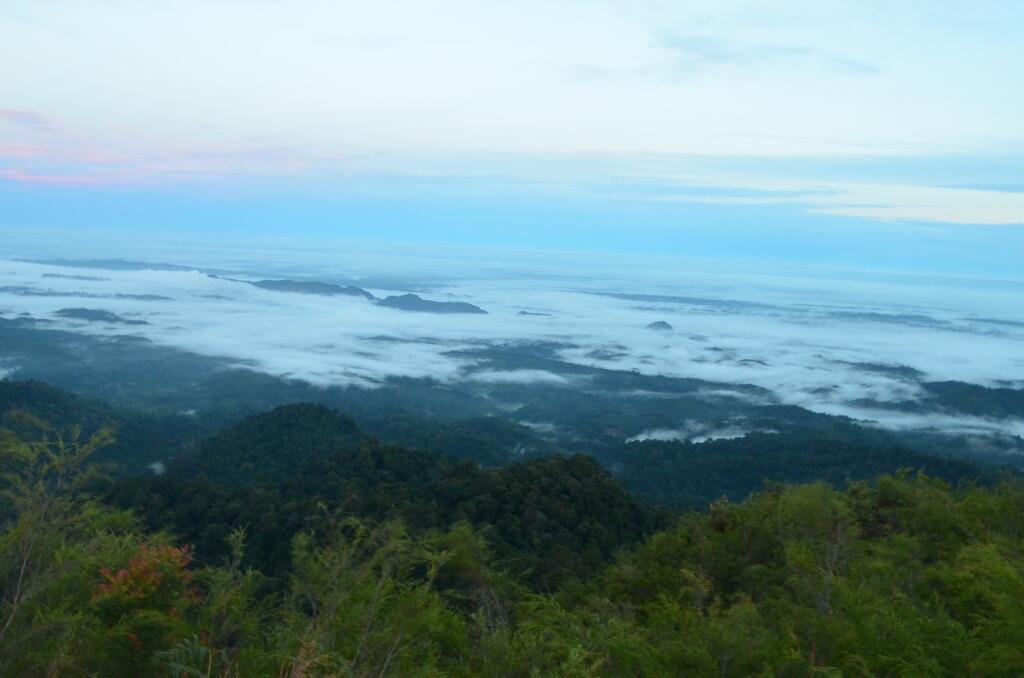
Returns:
point(692, 475)
point(414, 302)
point(977, 400)
point(295, 467)
point(312, 287)
point(584, 409)
point(294, 543)
point(271, 445)
point(488, 441)
point(96, 315)
point(898, 576)
point(51, 404)
point(141, 438)
point(672, 473)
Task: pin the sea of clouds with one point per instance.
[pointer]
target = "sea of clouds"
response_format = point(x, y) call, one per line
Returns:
point(806, 336)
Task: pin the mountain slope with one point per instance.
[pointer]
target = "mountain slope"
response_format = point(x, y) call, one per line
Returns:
point(291, 469)
point(312, 287)
point(270, 445)
point(413, 302)
point(692, 475)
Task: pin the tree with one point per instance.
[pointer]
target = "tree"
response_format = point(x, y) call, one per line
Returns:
point(41, 482)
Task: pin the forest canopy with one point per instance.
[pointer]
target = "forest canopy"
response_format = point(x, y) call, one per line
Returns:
point(377, 560)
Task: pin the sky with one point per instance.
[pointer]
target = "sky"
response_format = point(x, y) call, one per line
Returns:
point(868, 135)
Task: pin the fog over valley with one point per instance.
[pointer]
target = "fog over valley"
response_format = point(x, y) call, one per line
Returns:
point(854, 347)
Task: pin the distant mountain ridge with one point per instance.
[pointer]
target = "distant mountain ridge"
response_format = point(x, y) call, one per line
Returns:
point(403, 302)
point(96, 315)
point(312, 287)
point(108, 264)
point(141, 438)
point(413, 302)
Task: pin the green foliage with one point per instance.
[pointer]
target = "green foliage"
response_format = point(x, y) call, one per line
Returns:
point(693, 475)
point(548, 519)
point(882, 579)
point(487, 441)
point(408, 563)
point(142, 437)
point(365, 604)
point(54, 542)
point(271, 444)
point(977, 400)
point(191, 659)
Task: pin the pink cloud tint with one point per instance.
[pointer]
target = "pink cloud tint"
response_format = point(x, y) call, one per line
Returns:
point(40, 151)
point(23, 177)
point(72, 155)
point(28, 120)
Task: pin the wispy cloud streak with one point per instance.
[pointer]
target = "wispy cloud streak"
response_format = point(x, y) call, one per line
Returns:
point(28, 120)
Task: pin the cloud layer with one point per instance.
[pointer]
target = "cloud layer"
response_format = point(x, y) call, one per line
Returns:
point(834, 346)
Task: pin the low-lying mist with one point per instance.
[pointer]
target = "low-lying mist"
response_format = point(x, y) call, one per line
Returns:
point(838, 346)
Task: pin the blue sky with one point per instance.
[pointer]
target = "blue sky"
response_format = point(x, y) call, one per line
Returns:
point(862, 134)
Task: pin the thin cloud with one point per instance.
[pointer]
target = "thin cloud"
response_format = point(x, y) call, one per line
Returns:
point(518, 377)
point(692, 52)
point(877, 202)
point(66, 153)
point(22, 177)
point(29, 120)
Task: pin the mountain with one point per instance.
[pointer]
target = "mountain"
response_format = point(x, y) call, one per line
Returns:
point(976, 400)
point(692, 475)
point(312, 287)
point(293, 525)
point(52, 405)
point(293, 467)
point(61, 276)
point(412, 302)
point(544, 568)
point(142, 438)
point(661, 326)
point(109, 264)
point(487, 441)
point(24, 291)
point(270, 445)
point(96, 315)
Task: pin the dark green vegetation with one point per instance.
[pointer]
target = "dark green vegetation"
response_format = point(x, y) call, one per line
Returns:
point(957, 396)
point(321, 552)
point(693, 475)
point(455, 529)
point(142, 438)
point(671, 473)
point(547, 519)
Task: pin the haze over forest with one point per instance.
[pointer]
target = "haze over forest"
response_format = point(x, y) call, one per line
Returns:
point(834, 342)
